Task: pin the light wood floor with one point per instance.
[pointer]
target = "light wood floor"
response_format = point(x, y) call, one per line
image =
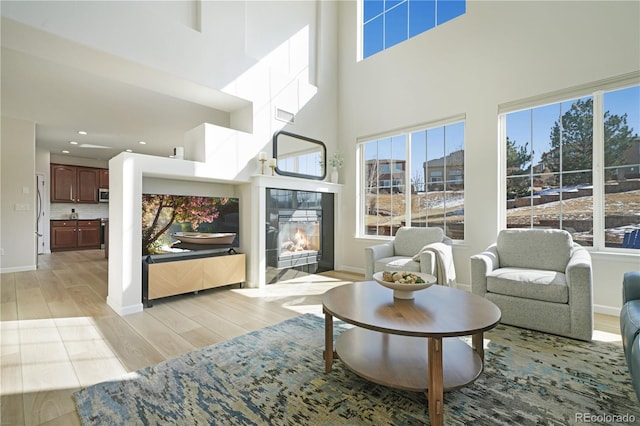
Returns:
point(58, 334)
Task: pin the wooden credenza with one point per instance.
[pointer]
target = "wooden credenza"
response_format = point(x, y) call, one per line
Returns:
point(165, 276)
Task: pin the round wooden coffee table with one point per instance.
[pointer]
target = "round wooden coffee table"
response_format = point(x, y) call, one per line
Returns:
point(400, 343)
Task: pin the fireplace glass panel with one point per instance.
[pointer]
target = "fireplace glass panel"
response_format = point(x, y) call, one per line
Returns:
point(299, 237)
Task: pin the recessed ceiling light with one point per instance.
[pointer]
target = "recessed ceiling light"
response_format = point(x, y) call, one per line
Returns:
point(64, 151)
point(73, 142)
point(129, 150)
point(142, 143)
point(82, 132)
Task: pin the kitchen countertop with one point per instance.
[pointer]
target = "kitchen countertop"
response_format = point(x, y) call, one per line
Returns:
point(101, 219)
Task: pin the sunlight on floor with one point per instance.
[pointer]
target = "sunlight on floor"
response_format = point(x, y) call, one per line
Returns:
point(53, 354)
point(603, 336)
point(300, 294)
point(301, 286)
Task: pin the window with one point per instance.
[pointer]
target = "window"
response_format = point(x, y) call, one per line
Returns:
point(404, 181)
point(386, 23)
point(561, 172)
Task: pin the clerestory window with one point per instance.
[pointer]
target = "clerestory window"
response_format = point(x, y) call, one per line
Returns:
point(386, 23)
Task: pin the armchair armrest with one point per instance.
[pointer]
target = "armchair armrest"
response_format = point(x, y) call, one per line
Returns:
point(481, 265)
point(631, 286)
point(371, 254)
point(579, 267)
point(579, 279)
point(428, 262)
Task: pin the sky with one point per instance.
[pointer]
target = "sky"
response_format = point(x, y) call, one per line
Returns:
point(389, 22)
point(441, 141)
point(533, 126)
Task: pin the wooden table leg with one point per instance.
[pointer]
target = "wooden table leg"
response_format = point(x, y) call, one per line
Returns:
point(328, 342)
point(435, 391)
point(477, 342)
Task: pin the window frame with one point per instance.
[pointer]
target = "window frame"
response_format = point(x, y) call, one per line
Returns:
point(437, 21)
point(596, 91)
point(361, 171)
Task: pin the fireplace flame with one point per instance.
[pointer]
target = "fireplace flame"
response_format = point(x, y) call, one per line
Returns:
point(299, 242)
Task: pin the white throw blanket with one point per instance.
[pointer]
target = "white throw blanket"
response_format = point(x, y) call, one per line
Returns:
point(445, 270)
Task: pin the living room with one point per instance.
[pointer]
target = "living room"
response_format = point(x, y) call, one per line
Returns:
point(496, 57)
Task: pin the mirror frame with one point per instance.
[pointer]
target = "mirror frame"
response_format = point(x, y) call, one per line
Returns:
point(304, 138)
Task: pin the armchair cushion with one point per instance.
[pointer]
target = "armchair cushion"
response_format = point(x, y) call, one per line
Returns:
point(537, 284)
point(548, 249)
point(397, 263)
point(409, 241)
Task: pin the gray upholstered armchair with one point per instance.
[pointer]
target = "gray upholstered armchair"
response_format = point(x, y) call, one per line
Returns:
point(406, 252)
point(540, 279)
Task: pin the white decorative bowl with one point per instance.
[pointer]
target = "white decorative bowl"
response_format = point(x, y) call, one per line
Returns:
point(405, 291)
point(204, 238)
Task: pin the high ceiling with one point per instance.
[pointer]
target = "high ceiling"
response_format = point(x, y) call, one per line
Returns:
point(65, 88)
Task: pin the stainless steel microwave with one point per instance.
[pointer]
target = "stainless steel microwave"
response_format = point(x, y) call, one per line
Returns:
point(103, 195)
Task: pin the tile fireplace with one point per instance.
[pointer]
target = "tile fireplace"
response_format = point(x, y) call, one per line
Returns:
point(299, 233)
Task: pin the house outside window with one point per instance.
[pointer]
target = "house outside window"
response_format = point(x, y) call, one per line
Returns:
point(414, 178)
point(574, 165)
point(386, 23)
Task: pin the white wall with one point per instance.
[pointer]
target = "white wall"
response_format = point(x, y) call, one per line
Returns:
point(18, 188)
point(270, 53)
point(497, 52)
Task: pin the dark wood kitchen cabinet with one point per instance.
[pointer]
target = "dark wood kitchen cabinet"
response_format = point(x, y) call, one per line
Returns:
point(89, 234)
point(63, 183)
point(75, 184)
point(75, 234)
point(63, 235)
point(88, 184)
point(104, 178)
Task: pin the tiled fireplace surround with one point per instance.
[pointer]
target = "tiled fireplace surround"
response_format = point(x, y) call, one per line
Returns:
point(306, 195)
point(299, 234)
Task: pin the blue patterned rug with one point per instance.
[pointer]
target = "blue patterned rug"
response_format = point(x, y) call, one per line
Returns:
point(275, 376)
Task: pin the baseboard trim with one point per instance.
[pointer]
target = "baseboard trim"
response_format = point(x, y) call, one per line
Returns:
point(349, 269)
point(18, 269)
point(124, 310)
point(607, 310)
point(465, 287)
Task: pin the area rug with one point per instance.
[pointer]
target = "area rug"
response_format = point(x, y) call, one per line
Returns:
point(275, 376)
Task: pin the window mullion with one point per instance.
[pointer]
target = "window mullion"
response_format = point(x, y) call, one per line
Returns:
point(598, 172)
point(531, 214)
point(407, 180)
point(502, 137)
point(561, 166)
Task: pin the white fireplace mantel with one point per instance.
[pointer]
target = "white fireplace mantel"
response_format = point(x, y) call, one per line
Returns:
point(254, 244)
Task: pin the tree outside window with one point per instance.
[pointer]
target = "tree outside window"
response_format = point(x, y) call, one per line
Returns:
point(550, 178)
